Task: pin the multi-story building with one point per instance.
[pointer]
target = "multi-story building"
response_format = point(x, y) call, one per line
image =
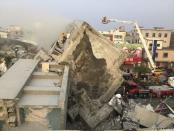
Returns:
point(162, 36)
point(165, 43)
point(14, 32)
point(117, 36)
point(3, 34)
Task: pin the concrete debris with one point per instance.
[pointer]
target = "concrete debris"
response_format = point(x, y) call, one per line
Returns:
point(94, 119)
point(130, 125)
point(3, 67)
point(95, 70)
point(164, 109)
point(38, 114)
point(91, 111)
point(73, 111)
point(91, 54)
point(12, 50)
point(171, 115)
point(111, 123)
point(148, 118)
point(149, 107)
point(42, 55)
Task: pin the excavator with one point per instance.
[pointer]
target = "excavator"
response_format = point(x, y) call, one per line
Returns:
point(153, 67)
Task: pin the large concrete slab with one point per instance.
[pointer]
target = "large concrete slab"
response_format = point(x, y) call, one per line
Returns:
point(149, 119)
point(15, 78)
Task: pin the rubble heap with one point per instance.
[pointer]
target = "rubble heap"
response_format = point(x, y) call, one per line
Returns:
point(11, 50)
point(95, 73)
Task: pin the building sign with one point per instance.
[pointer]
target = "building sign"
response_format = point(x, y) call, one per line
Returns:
point(135, 56)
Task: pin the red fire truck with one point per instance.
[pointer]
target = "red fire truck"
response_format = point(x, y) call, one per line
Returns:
point(135, 90)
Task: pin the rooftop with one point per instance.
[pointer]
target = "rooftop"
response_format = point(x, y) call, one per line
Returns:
point(15, 78)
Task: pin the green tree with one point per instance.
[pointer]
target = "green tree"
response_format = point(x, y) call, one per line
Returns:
point(141, 69)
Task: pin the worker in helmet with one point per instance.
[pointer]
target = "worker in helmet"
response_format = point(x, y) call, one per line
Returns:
point(117, 103)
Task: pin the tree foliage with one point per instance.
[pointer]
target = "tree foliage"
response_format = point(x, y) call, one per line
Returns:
point(141, 69)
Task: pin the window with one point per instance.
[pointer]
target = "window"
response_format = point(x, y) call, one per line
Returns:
point(147, 34)
point(158, 45)
point(153, 35)
point(165, 55)
point(150, 46)
point(108, 36)
point(159, 35)
point(118, 36)
point(156, 55)
point(165, 35)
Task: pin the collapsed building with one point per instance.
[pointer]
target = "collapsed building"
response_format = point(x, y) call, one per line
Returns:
point(95, 71)
point(70, 86)
point(36, 92)
point(30, 94)
point(12, 50)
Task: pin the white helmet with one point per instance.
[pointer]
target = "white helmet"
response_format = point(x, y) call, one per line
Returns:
point(118, 96)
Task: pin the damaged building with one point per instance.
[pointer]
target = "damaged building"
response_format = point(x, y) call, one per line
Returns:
point(72, 86)
point(96, 75)
point(39, 93)
point(35, 93)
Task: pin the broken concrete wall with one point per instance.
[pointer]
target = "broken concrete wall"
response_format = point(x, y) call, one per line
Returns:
point(94, 61)
point(95, 72)
point(149, 119)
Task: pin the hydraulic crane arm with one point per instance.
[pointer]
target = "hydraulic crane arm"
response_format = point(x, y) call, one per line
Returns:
point(145, 46)
point(106, 21)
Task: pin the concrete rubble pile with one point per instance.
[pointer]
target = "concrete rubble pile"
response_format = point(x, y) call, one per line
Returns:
point(147, 118)
point(95, 73)
point(96, 76)
point(12, 50)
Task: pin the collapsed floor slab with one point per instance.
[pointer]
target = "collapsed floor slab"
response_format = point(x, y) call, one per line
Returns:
point(95, 67)
point(149, 119)
point(94, 60)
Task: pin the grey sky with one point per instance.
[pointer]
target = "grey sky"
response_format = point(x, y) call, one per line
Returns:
point(46, 18)
point(147, 12)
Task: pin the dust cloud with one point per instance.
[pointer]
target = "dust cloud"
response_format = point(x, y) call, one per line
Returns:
point(39, 27)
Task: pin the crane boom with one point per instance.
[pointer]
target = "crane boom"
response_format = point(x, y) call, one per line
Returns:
point(145, 46)
point(106, 21)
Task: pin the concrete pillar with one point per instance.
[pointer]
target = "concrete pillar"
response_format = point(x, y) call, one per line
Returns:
point(18, 116)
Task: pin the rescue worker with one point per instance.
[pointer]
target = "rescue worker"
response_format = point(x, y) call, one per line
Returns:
point(117, 103)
